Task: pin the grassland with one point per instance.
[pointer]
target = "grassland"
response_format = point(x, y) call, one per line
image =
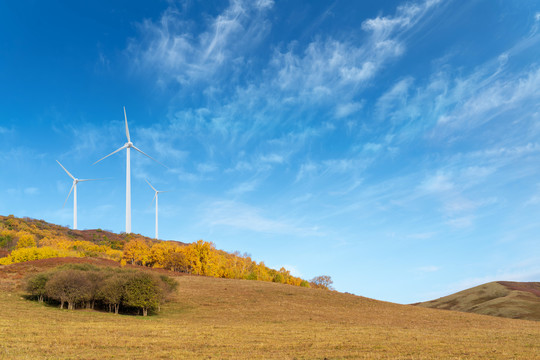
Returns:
point(513, 300)
point(214, 318)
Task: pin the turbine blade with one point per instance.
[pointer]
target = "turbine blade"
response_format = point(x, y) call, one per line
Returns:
point(150, 185)
point(148, 156)
point(81, 180)
point(71, 176)
point(152, 202)
point(114, 152)
point(72, 186)
point(127, 129)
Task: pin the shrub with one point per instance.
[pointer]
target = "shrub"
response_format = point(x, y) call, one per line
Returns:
point(142, 290)
point(71, 286)
point(107, 287)
point(36, 285)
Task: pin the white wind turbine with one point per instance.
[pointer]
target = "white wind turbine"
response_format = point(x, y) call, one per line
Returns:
point(155, 197)
point(74, 189)
point(128, 147)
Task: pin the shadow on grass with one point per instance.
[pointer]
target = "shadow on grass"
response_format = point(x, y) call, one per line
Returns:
point(101, 308)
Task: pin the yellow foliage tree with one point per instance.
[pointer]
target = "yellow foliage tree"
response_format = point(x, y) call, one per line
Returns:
point(136, 252)
point(34, 253)
point(202, 258)
point(160, 253)
point(26, 240)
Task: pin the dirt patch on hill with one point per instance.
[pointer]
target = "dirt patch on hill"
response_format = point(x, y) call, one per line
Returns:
point(531, 287)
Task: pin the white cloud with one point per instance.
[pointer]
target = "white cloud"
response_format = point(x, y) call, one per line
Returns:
point(31, 190)
point(346, 109)
point(429, 269)
point(422, 236)
point(437, 183)
point(306, 171)
point(245, 217)
point(244, 187)
point(272, 158)
point(206, 168)
point(461, 222)
point(174, 53)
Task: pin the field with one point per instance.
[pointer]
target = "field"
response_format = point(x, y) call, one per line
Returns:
point(214, 318)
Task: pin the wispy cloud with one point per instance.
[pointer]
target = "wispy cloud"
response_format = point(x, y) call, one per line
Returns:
point(330, 69)
point(244, 187)
point(245, 217)
point(429, 269)
point(176, 53)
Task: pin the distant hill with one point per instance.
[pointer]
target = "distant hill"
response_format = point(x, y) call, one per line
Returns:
point(516, 300)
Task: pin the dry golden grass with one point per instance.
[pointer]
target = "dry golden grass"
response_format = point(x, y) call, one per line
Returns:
point(238, 319)
point(506, 299)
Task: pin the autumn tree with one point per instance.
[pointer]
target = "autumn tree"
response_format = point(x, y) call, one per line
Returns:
point(176, 261)
point(26, 240)
point(69, 286)
point(136, 252)
point(322, 282)
point(202, 258)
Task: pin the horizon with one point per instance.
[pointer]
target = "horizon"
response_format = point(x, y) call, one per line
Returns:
point(392, 146)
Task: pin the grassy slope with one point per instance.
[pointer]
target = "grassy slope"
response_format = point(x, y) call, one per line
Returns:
point(505, 299)
point(240, 319)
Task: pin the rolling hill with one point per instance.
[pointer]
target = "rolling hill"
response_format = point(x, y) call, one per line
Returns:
point(213, 318)
point(517, 300)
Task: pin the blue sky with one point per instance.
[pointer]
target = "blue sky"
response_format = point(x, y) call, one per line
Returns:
point(391, 145)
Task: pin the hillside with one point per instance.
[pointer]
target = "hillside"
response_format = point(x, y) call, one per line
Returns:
point(517, 300)
point(25, 239)
point(41, 229)
point(211, 318)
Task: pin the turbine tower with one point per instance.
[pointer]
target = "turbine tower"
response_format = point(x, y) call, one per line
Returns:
point(128, 146)
point(155, 197)
point(74, 189)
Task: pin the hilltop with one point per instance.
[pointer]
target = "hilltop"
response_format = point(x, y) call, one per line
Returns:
point(238, 319)
point(41, 229)
point(25, 239)
point(517, 300)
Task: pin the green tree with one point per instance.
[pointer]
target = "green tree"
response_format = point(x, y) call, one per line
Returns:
point(112, 291)
point(143, 291)
point(36, 285)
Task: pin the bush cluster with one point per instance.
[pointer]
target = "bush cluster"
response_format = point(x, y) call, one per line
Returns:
point(92, 287)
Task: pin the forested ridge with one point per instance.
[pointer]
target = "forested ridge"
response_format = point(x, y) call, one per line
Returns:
point(25, 239)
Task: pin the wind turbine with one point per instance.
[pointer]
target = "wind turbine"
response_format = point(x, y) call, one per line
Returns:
point(74, 189)
point(128, 146)
point(155, 197)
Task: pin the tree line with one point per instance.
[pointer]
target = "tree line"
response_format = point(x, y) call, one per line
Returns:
point(105, 288)
point(30, 239)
